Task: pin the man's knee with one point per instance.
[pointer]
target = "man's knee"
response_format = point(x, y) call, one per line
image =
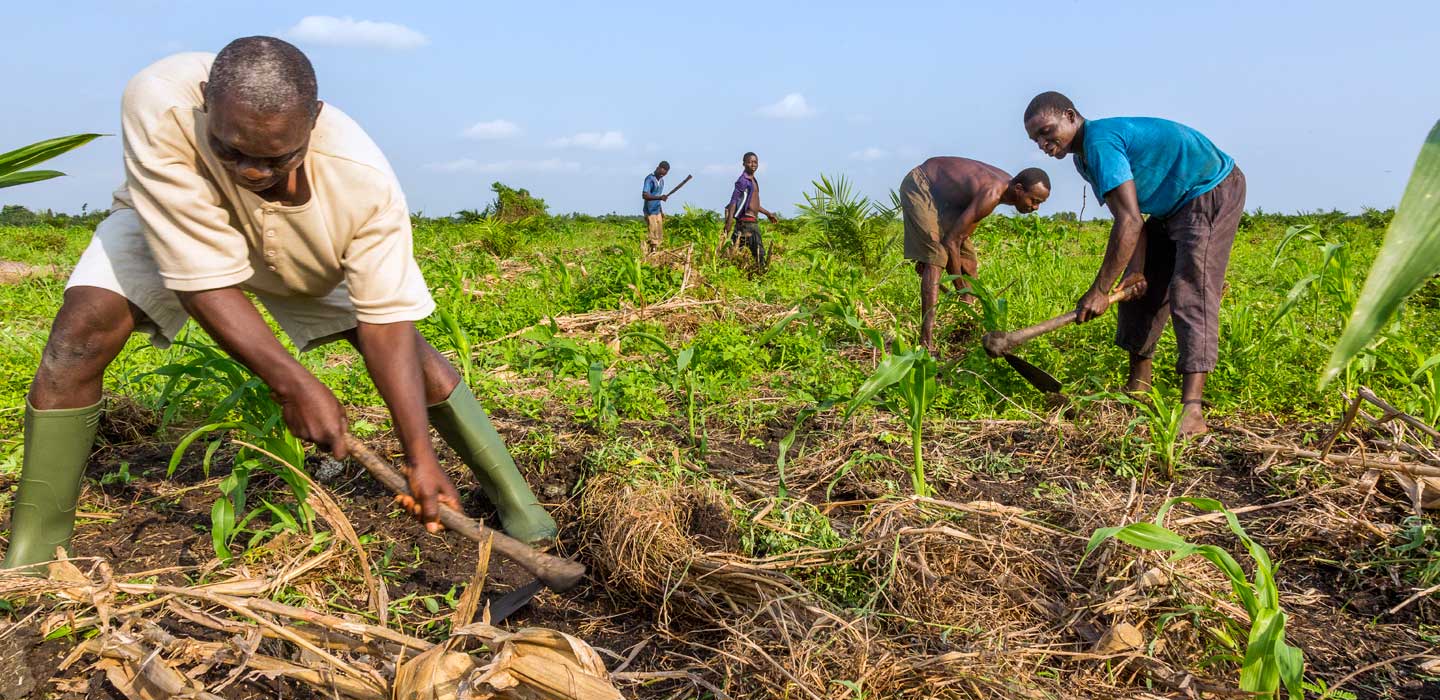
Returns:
point(90, 328)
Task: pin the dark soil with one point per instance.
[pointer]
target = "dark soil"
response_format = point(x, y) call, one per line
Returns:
point(152, 522)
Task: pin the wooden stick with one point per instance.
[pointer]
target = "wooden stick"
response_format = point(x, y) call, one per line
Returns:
point(1392, 412)
point(997, 343)
point(556, 573)
point(1402, 467)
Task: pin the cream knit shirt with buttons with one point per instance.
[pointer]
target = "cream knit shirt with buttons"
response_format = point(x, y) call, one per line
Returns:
point(206, 232)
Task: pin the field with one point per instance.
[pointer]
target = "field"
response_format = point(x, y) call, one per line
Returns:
point(751, 527)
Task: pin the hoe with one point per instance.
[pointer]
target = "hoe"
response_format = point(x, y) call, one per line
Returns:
point(556, 573)
point(1003, 344)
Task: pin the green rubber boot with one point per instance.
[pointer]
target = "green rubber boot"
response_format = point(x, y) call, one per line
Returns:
point(461, 420)
point(57, 446)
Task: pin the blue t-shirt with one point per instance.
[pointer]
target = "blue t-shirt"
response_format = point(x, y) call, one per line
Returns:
point(1170, 163)
point(653, 186)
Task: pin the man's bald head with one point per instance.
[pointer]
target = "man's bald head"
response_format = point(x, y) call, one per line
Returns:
point(261, 104)
point(263, 74)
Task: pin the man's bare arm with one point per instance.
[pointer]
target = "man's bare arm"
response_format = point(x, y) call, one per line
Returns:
point(309, 408)
point(1124, 234)
point(729, 217)
point(392, 358)
point(963, 228)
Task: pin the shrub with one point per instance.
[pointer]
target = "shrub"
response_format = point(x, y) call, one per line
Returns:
point(514, 204)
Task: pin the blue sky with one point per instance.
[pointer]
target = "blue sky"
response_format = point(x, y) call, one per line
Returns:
point(1324, 104)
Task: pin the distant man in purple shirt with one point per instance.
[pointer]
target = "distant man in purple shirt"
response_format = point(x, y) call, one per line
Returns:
point(744, 206)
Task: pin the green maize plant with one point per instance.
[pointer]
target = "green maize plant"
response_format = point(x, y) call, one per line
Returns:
point(680, 375)
point(1268, 660)
point(1162, 416)
point(461, 342)
point(1336, 278)
point(839, 298)
point(602, 412)
point(912, 373)
point(13, 163)
point(249, 411)
point(1409, 256)
point(994, 309)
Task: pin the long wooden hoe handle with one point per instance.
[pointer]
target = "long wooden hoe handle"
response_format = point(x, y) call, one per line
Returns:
point(558, 574)
point(997, 344)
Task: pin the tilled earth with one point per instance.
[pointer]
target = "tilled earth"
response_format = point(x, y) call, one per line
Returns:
point(1336, 586)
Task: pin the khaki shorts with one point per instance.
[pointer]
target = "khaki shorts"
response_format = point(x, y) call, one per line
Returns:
point(118, 259)
point(655, 230)
point(922, 225)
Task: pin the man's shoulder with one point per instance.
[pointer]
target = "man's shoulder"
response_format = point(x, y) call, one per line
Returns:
point(173, 81)
point(344, 146)
point(1130, 126)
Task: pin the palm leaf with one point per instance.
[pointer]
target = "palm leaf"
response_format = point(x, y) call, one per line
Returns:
point(27, 177)
point(19, 159)
point(1408, 257)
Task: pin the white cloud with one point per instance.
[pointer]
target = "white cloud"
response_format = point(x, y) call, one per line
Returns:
point(493, 130)
point(470, 165)
point(324, 30)
point(870, 154)
point(593, 140)
point(791, 106)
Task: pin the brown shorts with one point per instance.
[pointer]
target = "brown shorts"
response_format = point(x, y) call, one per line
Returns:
point(655, 230)
point(1186, 254)
point(923, 237)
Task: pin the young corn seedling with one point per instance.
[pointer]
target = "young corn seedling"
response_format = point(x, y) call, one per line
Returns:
point(994, 309)
point(1268, 660)
point(249, 411)
point(912, 374)
point(1162, 416)
point(680, 375)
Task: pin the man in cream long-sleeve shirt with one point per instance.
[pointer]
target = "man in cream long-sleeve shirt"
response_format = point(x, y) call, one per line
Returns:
point(238, 179)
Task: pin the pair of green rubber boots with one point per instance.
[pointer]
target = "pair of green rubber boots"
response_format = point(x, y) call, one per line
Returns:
point(58, 442)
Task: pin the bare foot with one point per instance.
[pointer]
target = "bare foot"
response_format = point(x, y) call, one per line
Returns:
point(1192, 420)
point(1137, 386)
point(1141, 372)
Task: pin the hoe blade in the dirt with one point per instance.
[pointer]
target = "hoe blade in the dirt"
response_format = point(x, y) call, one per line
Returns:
point(1038, 378)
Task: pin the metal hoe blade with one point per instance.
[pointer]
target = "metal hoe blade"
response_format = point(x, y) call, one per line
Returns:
point(506, 605)
point(1038, 378)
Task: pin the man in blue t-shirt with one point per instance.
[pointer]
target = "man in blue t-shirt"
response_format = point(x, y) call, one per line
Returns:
point(1194, 196)
point(653, 193)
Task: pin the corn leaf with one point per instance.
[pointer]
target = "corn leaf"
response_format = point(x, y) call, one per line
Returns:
point(892, 369)
point(1409, 256)
point(28, 176)
point(12, 162)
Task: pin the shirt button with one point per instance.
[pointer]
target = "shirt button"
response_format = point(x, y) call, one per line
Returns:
point(269, 253)
point(270, 268)
point(269, 234)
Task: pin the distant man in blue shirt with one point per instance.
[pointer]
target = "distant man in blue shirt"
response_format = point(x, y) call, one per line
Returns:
point(654, 193)
point(1194, 196)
